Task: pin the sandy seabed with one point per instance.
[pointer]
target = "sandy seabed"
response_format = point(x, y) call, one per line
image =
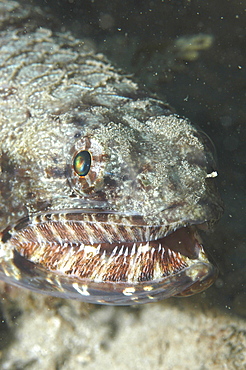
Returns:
point(47, 333)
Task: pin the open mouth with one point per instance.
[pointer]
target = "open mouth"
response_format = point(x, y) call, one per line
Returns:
point(109, 271)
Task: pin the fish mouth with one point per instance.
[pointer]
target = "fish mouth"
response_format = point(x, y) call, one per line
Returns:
point(100, 257)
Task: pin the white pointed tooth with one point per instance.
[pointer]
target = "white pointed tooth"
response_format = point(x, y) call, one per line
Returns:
point(121, 250)
point(133, 249)
point(114, 251)
point(98, 249)
point(103, 255)
point(126, 252)
point(139, 249)
point(81, 247)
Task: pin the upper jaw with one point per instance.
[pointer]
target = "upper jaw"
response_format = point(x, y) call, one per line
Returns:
point(108, 226)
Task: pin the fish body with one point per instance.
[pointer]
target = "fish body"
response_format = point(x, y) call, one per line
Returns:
point(102, 187)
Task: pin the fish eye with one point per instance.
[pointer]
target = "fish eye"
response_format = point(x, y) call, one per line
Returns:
point(86, 163)
point(82, 163)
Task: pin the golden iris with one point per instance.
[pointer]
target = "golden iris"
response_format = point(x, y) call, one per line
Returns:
point(82, 163)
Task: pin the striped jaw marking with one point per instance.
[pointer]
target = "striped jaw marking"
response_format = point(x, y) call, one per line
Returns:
point(108, 259)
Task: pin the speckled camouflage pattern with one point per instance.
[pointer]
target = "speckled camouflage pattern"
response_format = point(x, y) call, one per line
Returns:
point(152, 171)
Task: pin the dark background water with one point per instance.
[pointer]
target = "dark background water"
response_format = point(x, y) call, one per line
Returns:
point(205, 81)
point(209, 87)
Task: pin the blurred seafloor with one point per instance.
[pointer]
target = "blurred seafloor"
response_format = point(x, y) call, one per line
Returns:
point(191, 54)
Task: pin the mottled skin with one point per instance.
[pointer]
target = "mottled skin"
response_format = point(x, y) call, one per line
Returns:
point(56, 95)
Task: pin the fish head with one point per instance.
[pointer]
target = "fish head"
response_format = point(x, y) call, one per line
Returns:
point(124, 199)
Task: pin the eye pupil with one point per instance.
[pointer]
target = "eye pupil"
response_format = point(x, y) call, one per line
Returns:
point(82, 163)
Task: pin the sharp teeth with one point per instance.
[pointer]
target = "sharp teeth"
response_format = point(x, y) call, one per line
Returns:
point(81, 247)
point(133, 249)
point(114, 251)
point(121, 250)
point(103, 255)
point(98, 249)
point(126, 252)
point(153, 251)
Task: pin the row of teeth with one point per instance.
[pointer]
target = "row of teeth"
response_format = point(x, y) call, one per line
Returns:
point(124, 250)
point(92, 251)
